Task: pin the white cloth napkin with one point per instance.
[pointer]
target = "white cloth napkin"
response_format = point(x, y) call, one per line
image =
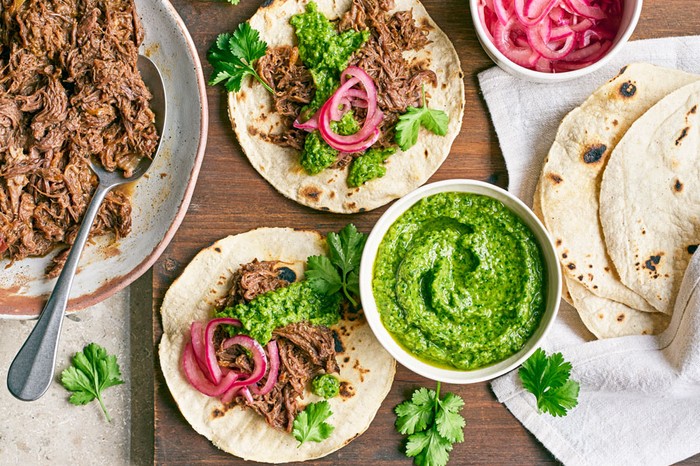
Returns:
point(640, 395)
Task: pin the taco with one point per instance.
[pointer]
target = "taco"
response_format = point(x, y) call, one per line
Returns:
point(411, 63)
point(250, 268)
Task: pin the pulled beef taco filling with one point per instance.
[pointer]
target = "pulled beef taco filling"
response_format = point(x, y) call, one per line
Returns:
point(69, 91)
point(305, 350)
point(398, 81)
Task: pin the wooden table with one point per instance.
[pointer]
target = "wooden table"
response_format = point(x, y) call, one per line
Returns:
point(232, 198)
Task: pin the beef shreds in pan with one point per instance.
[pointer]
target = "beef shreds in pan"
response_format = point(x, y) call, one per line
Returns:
point(305, 351)
point(399, 83)
point(69, 91)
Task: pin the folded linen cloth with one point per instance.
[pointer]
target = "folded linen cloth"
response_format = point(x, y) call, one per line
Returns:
point(640, 395)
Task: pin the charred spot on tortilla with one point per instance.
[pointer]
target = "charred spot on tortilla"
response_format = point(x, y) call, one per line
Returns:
point(558, 241)
point(652, 262)
point(217, 249)
point(338, 342)
point(594, 153)
point(556, 179)
point(310, 192)
point(564, 255)
point(692, 248)
point(621, 317)
point(346, 390)
point(571, 266)
point(580, 278)
point(678, 187)
point(615, 122)
point(362, 209)
point(627, 89)
point(426, 153)
point(217, 413)
point(360, 370)
point(346, 359)
point(350, 206)
point(684, 133)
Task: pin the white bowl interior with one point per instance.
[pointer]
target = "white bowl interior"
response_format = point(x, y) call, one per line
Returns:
point(631, 11)
point(553, 275)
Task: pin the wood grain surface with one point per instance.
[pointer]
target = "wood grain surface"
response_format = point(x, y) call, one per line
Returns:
point(231, 198)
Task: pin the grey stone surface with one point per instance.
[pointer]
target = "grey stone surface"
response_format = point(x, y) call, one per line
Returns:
point(53, 431)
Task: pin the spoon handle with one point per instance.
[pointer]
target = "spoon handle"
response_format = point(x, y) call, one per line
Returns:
point(32, 370)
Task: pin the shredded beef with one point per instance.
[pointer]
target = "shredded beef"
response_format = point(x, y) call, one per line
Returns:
point(305, 351)
point(283, 71)
point(398, 82)
point(253, 279)
point(69, 91)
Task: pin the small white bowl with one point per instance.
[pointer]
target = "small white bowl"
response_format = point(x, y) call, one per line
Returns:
point(553, 276)
point(631, 11)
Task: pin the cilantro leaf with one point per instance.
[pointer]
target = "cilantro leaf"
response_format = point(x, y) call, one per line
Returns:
point(92, 372)
point(309, 424)
point(409, 124)
point(433, 425)
point(450, 424)
point(233, 56)
point(340, 269)
point(322, 275)
point(416, 414)
point(548, 379)
point(435, 449)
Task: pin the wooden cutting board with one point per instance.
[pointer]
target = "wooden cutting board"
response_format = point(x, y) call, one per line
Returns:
point(231, 198)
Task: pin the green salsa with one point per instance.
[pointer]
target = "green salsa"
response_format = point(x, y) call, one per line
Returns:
point(317, 155)
point(369, 166)
point(294, 303)
point(459, 281)
point(325, 385)
point(324, 51)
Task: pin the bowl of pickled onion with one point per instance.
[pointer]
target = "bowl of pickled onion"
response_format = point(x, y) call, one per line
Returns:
point(553, 40)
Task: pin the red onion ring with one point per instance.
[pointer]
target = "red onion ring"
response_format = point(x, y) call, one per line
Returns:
point(209, 353)
point(196, 377)
point(273, 353)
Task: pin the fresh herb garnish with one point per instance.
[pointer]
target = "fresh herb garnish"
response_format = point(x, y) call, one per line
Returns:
point(325, 385)
point(233, 57)
point(410, 122)
point(340, 270)
point(233, 2)
point(432, 424)
point(309, 424)
point(548, 379)
point(91, 373)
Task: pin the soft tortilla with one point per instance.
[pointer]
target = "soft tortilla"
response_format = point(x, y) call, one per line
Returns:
point(251, 114)
point(650, 198)
point(369, 369)
point(606, 318)
point(574, 166)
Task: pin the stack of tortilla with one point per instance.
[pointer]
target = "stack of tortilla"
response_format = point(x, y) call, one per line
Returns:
point(620, 195)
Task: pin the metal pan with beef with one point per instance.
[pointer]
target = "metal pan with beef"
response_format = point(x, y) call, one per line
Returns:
point(69, 91)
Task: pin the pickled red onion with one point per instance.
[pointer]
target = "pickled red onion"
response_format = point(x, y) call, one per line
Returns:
point(346, 96)
point(551, 35)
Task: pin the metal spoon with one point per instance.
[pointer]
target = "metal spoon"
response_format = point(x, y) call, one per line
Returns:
point(32, 370)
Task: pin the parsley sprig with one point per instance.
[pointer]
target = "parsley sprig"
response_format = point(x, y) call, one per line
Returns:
point(432, 424)
point(309, 424)
point(548, 379)
point(233, 56)
point(409, 124)
point(92, 372)
point(339, 271)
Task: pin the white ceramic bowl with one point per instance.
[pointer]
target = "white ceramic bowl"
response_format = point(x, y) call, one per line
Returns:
point(632, 9)
point(553, 277)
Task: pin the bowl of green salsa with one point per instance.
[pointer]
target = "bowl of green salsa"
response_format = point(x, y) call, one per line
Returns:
point(459, 281)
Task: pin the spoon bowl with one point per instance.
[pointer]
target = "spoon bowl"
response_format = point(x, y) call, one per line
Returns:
point(32, 370)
